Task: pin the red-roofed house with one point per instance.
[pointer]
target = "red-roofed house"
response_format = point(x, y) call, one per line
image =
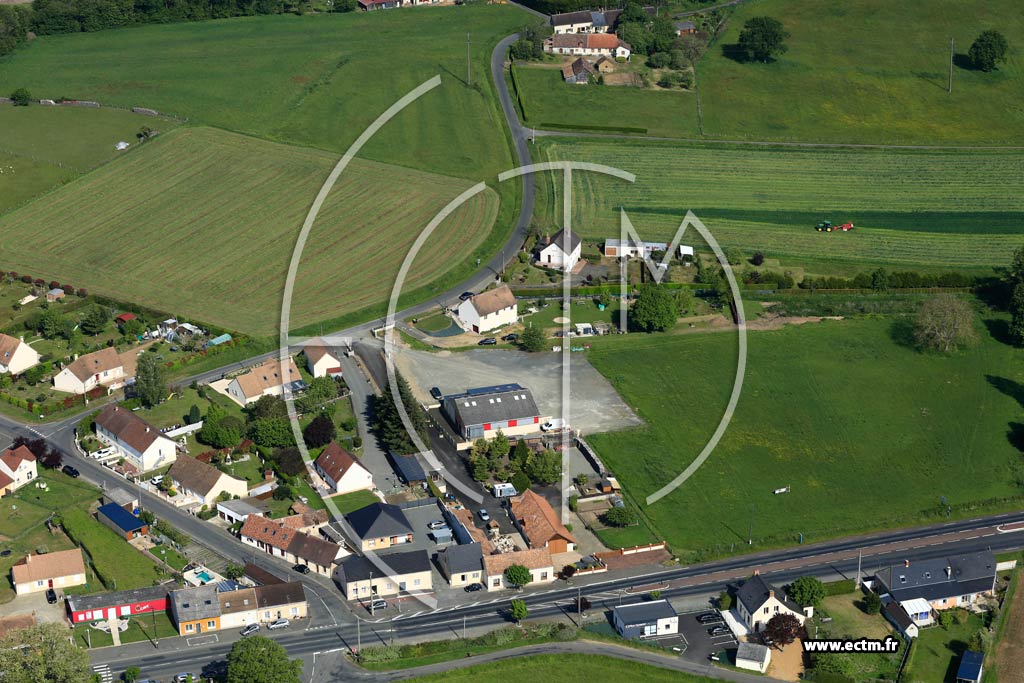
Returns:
point(17, 468)
point(140, 442)
point(538, 522)
point(595, 44)
point(279, 540)
point(321, 360)
point(99, 368)
point(341, 471)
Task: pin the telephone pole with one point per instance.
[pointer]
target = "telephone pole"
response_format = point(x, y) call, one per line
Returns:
point(950, 87)
point(467, 60)
point(860, 556)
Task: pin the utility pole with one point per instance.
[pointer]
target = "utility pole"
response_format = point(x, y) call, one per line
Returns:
point(750, 533)
point(579, 605)
point(359, 636)
point(860, 555)
point(468, 82)
point(950, 88)
point(463, 626)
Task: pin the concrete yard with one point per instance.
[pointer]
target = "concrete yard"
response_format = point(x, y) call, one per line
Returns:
point(594, 407)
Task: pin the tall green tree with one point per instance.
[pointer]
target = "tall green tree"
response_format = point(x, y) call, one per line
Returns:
point(272, 432)
point(807, 590)
point(261, 660)
point(150, 380)
point(42, 653)
point(517, 576)
point(532, 339)
point(655, 309)
point(520, 455)
point(21, 97)
point(1017, 311)
point(545, 468)
point(944, 323)
point(519, 610)
point(987, 50)
point(763, 38)
point(388, 424)
point(95, 319)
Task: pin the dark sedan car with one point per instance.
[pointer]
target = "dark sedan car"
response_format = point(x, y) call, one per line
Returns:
point(70, 471)
point(474, 587)
point(51, 596)
point(466, 295)
point(511, 338)
point(487, 341)
point(436, 393)
point(301, 568)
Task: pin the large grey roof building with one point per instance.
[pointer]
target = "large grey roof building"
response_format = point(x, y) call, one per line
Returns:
point(956, 577)
point(478, 411)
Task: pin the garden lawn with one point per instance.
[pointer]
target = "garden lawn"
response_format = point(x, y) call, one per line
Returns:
point(235, 204)
point(562, 667)
point(929, 209)
point(868, 72)
point(22, 178)
point(348, 502)
point(170, 556)
point(849, 622)
point(116, 564)
point(839, 411)
point(175, 410)
point(937, 651)
point(549, 101)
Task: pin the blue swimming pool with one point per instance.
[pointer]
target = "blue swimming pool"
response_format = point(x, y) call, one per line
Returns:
point(204, 576)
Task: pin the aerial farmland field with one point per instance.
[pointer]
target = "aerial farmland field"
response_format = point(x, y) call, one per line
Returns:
point(868, 432)
point(936, 209)
point(202, 223)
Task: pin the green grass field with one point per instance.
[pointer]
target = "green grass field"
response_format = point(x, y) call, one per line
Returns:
point(868, 432)
point(557, 668)
point(118, 565)
point(936, 210)
point(548, 99)
point(848, 621)
point(203, 222)
point(868, 72)
point(937, 652)
point(315, 81)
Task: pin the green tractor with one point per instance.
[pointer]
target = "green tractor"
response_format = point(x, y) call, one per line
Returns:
point(824, 226)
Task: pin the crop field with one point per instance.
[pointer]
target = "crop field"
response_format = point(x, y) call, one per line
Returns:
point(868, 432)
point(547, 99)
point(315, 81)
point(911, 208)
point(42, 147)
point(202, 223)
point(868, 72)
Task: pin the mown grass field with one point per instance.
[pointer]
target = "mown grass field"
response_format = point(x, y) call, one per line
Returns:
point(119, 566)
point(557, 668)
point(42, 147)
point(868, 432)
point(911, 208)
point(203, 222)
point(547, 99)
point(315, 81)
point(868, 72)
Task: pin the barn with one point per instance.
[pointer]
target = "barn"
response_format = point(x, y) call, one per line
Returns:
point(98, 606)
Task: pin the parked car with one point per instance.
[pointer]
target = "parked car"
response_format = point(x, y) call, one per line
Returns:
point(184, 678)
point(155, 481)
point(279, 623)
point(301, 568)
point(709, 617)
point(6, 552)
point(436, 393)
point(718, 631)
point(474, 587)
point(513, 337)
point(714, 657)
point(217, 670)
point(378, 604)
point(250, 629)
point(70, 471)
point(466, 295)
point(552, 424)
point(487, 341)
point(51, 596)
point(484, 515)
point(437, 524)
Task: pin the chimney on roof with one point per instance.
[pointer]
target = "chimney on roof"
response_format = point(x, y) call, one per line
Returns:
point(147, 430)
point(949, 572)
point(547, 238)
point(771, 592)
point(757, 572)
point(906, 563)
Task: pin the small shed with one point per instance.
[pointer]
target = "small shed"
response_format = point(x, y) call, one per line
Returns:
point(753, 657)
point(55, 294)
point(125, 317)
point(442, 535)
point(408, 469)
point(122, 522)
point(971, 665)
point(605, 65)
point(685, 251)
point(684, 28)
point(222, 339)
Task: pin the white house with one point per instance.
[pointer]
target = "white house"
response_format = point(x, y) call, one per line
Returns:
point(17, 468)
point(561, 252)
point(753, 657)
point(15, 355)
point(58, 570)
point(757, 601)
point(537, 560)
point(588, 44)
point(85, 373)
point(138, 441)
point(341, 471)
point(615, 248)
point(205, 482)
point(645, 619)
point(322, 361)
point(267, 379)
point(489, 310)
point(685, 251)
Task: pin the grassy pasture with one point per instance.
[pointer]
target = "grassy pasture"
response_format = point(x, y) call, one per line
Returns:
point(868, 432)
point(202, 222)
point(868, 72)
point(911, 208)
point(111, 555)
point(549, 99)
point(555, 668)
point(316, 81)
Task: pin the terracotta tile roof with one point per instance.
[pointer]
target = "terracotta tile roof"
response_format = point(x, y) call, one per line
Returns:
point(313, 550)
point(537, 558)
point(5, 481)
point(493, 300)
point(317, 350)
point(241, 600)
point(94, 363)
point(304, 520)
point(592, 41)
point(8, 345)
point(13, 457)
point(278, 594)
point(49, 566)
point(270, 374)
point(267, 531)
point(195, 475)
point(538, 519)
point(335, 461)
point(128, 427)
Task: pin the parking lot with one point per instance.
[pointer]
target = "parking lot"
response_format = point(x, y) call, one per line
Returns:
point(700, 644)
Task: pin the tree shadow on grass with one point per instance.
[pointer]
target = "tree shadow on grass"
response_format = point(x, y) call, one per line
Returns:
point(1011, 388)
point(999, 330)
point(962, 61)
point(736, 53)
point(902, 333)
point(1015, 435)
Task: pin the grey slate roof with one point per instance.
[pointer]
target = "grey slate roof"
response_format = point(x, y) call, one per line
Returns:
point(755, 591)
point(928, 579)
point(408, 467)
point(491, 404)
point(574, 240)
point(895, 612)
point(462, 558)
point(752, 652)
point(359, 568)
point(191, 604)
point(245, 506)
point(97, 601)
point(644, 612)
point(379, 520)
point(571, 18)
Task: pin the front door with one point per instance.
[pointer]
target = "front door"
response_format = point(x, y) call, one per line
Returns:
point(49, 584)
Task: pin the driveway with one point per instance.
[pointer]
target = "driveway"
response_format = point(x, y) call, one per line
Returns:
point(35, 604)
point(594, 405)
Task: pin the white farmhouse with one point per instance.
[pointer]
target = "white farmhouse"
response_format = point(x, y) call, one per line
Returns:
point(341, 471)
point(321, 360)
point(267, 379)
point(85, 373)
point(489, 310)
point(16, 356)
point(17, 468)
point(141, 443)
point(561, 252)
point(588, 45)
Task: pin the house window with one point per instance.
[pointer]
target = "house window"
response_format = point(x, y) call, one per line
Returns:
point(416, 582)
point(295, 611)
point(211, 624)
point(766, 610)
point(776, 608)
point(39, 584)
point(462, 577)
point(496, 582)
point(650, 629)
point(188, 628)
point(543, 576)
